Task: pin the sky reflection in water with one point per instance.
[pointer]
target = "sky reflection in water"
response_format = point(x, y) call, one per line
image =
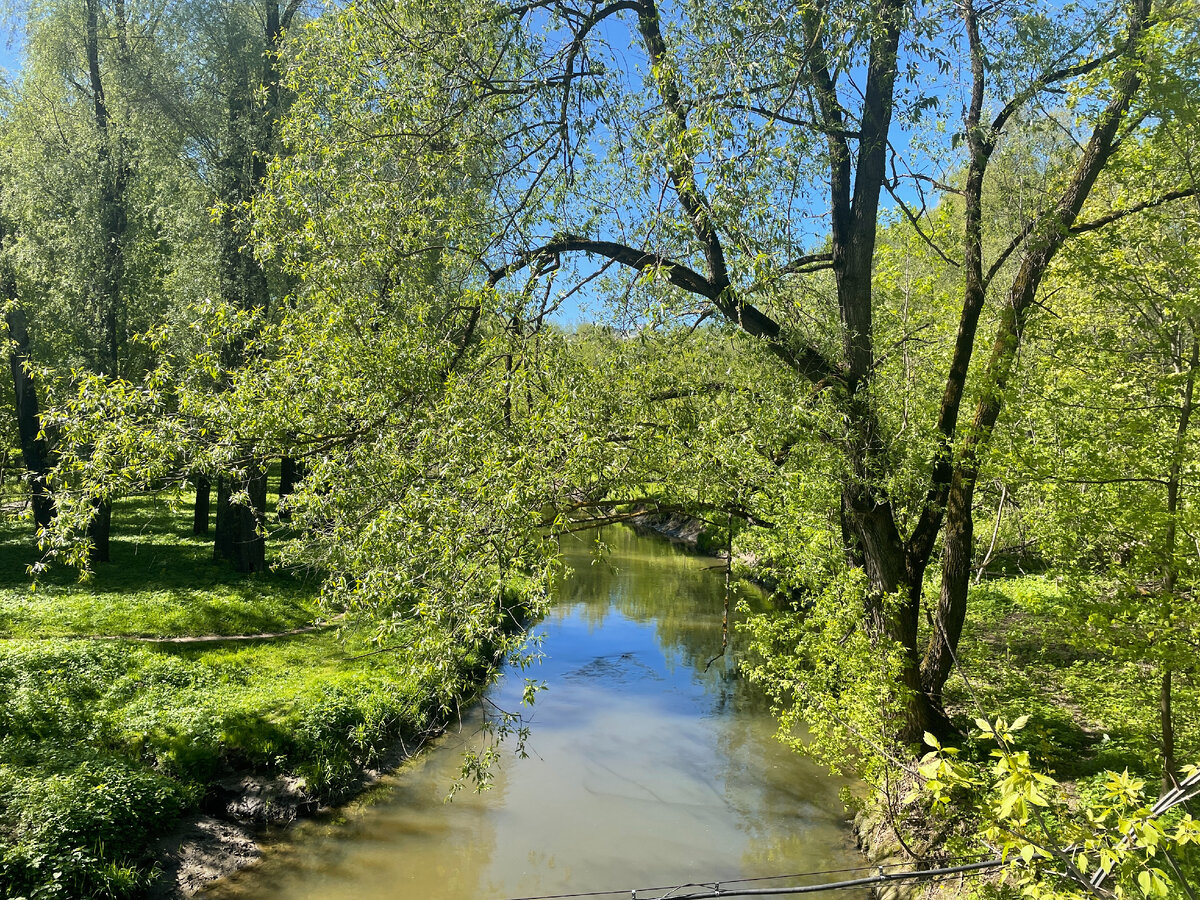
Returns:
point(645, 769)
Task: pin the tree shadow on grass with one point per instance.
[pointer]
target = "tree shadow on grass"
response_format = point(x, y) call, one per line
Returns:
point(162, 579)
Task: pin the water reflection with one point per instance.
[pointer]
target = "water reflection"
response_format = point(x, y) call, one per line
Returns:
point(645, 768)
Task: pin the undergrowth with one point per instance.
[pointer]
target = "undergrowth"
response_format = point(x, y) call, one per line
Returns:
point(105, 743)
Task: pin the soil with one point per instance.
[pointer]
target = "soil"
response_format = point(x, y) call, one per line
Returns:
point(239, 812)
point(199, 852)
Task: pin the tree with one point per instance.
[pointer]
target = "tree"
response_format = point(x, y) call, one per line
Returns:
point(438, 158)
point(718, 144)
point(34, 450)
point(238, 48)
point(1135, 384)
point(416, 503)
point(85, 158)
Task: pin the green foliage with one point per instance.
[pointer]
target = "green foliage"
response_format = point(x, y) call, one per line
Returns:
point(81, 829)
point(1058, 844)
point(834, 689)
point(1025, 652)
point(400, 215)
point(60, 172)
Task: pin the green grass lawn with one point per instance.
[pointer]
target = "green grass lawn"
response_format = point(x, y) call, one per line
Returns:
point(105, 742)
point(162, 581)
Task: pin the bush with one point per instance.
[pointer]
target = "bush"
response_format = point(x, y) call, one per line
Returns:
point(83, 831)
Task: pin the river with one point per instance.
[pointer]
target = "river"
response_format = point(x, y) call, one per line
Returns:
point(647, 766)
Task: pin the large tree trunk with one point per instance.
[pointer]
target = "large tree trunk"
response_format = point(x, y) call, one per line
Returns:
point(203, 502)
point(34, 450)
point(892, 605)
point(240, 535)
point(249, 536)
point(98, 530)
point(224, 528)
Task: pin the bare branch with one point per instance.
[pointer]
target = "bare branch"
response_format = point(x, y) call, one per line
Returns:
point(916, 223)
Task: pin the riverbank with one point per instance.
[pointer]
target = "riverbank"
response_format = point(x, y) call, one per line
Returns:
point(160, 713)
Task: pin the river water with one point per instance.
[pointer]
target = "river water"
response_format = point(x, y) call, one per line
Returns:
point(647, 767)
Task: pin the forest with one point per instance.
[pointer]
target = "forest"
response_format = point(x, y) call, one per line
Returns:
point(334, 318)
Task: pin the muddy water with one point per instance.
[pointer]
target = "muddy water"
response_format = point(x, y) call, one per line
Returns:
point(647, 767)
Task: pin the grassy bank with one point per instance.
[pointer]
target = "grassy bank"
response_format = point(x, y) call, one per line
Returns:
point(1026, 653)
point(107, 739)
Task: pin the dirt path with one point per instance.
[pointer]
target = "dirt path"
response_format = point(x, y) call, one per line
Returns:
point(187, 639)
point(210, 638)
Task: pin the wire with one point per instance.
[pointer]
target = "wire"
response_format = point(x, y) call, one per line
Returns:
point(714, 889)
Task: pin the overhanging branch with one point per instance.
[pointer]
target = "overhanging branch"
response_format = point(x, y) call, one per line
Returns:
point(677, 273)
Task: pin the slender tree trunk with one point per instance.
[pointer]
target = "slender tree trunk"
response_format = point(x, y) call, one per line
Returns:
point(1170, 565)
point(1044, 244)
point(1166, 717)
point(35, 452)
point(110, 275)
point(290, 473)
point(958, 549)
point(203, 502)
point(240, 534)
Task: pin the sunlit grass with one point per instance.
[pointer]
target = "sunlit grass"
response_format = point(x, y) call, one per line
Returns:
point(162, 581)
point(1088, 711)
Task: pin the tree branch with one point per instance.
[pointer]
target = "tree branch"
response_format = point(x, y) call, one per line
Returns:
point(681, 170)
point(677, 273)
point(1095, 224)
point(792, 120)
point(806, 361)
point(1062, 74)
point(917, 225)
point(1085, 227)
point(581, 33)
point(811, 262)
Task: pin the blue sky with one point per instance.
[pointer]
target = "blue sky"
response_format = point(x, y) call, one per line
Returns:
point(10, 47)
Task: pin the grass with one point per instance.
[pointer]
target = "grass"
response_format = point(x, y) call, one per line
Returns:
point(162, 581)
point(1025, 652)
point(1089, 712)
point(105, 742)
